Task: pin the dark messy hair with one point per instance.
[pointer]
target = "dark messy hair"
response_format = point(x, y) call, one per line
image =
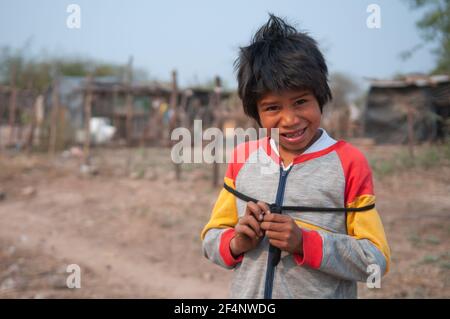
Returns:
point(280, 58)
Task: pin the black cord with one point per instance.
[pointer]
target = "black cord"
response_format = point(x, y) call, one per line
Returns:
point(301, 208)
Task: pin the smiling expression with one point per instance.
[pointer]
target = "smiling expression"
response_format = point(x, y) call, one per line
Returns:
point(297, 115)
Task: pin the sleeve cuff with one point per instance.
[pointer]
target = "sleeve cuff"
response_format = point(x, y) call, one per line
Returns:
point(312, 250)
point(225, 250)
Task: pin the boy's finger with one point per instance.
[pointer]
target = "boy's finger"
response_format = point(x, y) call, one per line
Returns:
point(276, 235)
point(277, 218)
point(278, 243)
point(273, 226)
point(264, 207)
point(253, 223)
point(244, 229)
point(255, 210)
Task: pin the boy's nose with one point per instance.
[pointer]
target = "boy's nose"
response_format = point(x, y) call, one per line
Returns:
point(289, 118)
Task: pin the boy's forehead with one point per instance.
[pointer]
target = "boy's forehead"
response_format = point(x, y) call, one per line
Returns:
point(286, 94)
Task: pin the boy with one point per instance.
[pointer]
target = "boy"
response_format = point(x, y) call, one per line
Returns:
point(282, 79)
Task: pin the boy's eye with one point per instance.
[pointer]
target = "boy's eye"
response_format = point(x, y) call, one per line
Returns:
point(272, 108)
point(300, 102)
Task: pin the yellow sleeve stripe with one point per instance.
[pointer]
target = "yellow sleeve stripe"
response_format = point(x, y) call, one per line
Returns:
point(367, 225)
point(224, 213)
point(308, 226)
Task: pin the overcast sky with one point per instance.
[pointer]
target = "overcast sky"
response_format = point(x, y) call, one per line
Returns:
point(201, 38)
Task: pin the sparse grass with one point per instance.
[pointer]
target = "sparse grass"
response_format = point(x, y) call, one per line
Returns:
point(430, 259)
point(433, 240)
point(428, 159)
point(446, 150)
point(139, 173)
point(445, 265)
point(415, 239)
point(442, 259)
point(419, 293)
point(168, 221)
point(425, 157)
point(405, 160)
point(189, 167)
point(383, 167)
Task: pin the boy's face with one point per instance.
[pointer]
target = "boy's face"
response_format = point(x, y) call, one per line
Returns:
point(296, 113)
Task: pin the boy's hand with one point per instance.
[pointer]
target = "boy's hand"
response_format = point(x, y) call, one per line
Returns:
point(283, 233)
point(248, 230)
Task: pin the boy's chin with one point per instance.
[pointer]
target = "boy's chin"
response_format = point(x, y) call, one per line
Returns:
point(294, 149)
point(300, 146)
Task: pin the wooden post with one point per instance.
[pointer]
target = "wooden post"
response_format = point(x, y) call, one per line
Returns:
point(182, 110)
point(2, 109)
point(174, 120)
point(33, 123)
point(62, 126)
point(12, 105)
point(407, 108)
point(27, 95)
point(54, 117)
point(116, 110)
point(146, 131)
point(218, 121)
point(410, 119)
point(40, 116)
point(129, 101)
point(87, 120)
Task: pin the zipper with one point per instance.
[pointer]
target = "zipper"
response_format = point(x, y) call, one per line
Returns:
point(282, 186)
point(273, 251)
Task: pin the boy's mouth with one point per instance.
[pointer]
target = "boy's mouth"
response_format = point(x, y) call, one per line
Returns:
point(293, 136)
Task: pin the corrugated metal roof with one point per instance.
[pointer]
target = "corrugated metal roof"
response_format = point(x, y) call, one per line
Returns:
point(410, 80)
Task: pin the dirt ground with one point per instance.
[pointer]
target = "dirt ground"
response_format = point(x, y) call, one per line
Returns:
point(134, 229)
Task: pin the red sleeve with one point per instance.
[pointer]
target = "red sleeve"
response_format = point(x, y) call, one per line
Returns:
point(312, 249)
point(225, 250)
point(358, 175)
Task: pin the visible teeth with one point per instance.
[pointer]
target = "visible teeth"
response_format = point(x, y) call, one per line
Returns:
point(298, 133)
point(292, 135)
